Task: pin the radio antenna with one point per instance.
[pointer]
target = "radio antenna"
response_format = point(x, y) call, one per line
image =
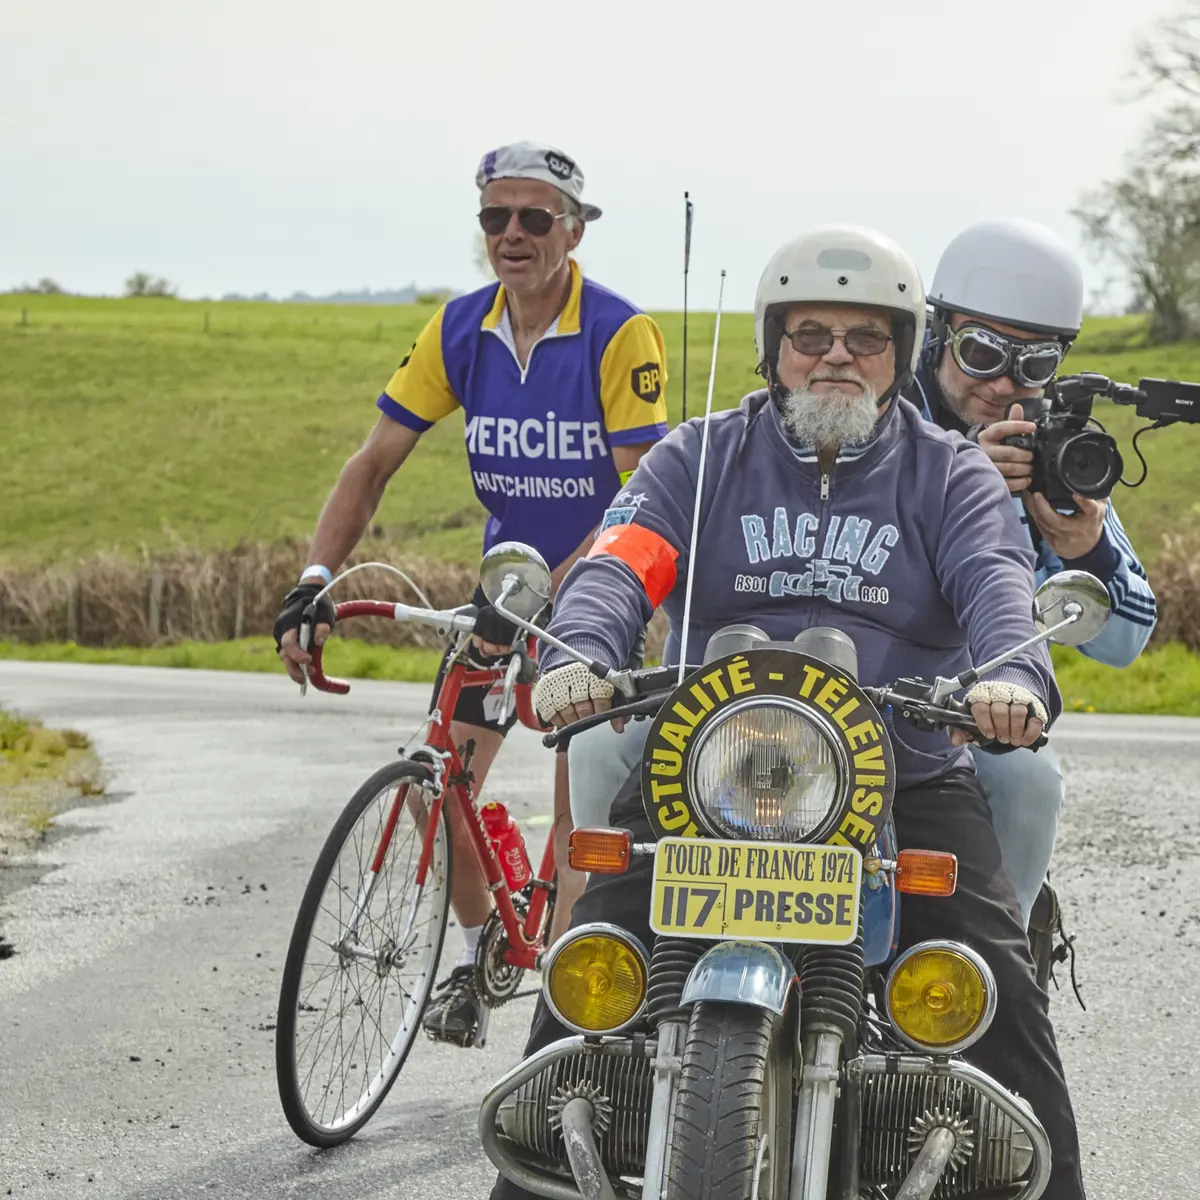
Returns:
point(687, 259)
point(691, 579)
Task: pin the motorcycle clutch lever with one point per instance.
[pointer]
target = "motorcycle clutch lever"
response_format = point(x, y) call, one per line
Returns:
point(952, 714)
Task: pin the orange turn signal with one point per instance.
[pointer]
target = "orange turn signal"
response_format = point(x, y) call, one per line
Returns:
point(601, 851)
point(926, 872)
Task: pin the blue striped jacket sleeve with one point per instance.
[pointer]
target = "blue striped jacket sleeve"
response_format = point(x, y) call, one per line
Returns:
point(1134, 609)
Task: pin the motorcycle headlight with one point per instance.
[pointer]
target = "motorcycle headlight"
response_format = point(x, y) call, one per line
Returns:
point(766, 769)
point(595, 977)
point(941, 996)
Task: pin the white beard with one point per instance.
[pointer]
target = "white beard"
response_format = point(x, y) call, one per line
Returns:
point(813, 419)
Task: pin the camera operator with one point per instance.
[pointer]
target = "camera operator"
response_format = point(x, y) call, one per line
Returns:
point(1007, 302)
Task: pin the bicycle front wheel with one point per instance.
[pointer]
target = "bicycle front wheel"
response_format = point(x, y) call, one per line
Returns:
point(363, 956)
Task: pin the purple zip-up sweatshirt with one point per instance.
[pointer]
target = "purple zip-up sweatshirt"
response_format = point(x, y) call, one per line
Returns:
point(910, 545)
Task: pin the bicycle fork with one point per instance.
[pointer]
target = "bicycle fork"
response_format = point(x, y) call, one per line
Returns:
point(384, 958)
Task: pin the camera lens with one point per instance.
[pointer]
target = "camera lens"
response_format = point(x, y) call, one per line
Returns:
point(1090, 464)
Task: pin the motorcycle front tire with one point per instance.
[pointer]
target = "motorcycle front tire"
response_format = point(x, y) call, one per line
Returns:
point(734, 1089)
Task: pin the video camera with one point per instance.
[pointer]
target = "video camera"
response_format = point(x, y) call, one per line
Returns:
point(1070, 457)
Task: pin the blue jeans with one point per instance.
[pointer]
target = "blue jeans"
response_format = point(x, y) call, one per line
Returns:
point(599, 762)
point(1024, 792)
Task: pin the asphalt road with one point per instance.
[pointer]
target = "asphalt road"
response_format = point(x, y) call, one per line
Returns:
point(136, 1019)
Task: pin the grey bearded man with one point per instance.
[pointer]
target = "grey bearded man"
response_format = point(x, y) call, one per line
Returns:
point(828, 500)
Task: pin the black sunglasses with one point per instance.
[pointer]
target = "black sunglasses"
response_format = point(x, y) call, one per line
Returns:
point(494, 219)
point(863, 341)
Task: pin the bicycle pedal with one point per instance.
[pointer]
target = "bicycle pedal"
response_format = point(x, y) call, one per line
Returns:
point(464, 1041)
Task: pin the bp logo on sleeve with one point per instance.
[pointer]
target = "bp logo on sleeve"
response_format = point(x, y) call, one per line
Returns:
point(646, 382)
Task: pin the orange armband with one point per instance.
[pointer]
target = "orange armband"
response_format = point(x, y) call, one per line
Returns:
point(650, 557)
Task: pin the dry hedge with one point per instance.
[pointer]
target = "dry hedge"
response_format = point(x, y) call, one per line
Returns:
point(1175, 577)
point(109, 600)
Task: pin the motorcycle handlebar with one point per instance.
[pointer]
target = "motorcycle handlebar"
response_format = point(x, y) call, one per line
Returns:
point(950, 714)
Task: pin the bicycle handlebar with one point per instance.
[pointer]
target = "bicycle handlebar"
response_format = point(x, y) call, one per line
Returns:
point(443, 622)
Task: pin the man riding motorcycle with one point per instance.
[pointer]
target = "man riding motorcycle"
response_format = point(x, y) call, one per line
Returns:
point(828, 500)
point(1007, 299)
point(563, 385)
point(1007, 302)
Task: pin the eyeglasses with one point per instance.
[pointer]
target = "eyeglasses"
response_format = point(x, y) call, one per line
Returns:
point(494, 219)
point(863, 341)
point(982, 353)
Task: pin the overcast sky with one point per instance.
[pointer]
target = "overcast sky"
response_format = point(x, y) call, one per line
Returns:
point(277, 145)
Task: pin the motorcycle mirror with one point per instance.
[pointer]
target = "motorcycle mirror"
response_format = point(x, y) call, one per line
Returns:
point(1072, 592)
point(515, 561)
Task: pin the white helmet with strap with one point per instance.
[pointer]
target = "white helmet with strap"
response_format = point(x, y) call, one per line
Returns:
point(842, 264)
point(1013, 271)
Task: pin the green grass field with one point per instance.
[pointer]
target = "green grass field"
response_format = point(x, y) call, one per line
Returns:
point(126, 424)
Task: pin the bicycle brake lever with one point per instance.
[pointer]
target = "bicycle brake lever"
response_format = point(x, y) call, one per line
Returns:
point(304, 637)
point(511, 676)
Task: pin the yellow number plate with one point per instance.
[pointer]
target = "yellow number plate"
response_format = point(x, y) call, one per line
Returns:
point(763, 891)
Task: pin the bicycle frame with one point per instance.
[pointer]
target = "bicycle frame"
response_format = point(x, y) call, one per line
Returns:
point(524, 936)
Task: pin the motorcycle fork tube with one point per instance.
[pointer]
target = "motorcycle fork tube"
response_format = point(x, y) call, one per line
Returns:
point(850, 1138)
point(814, 1117)
point(667, 1065)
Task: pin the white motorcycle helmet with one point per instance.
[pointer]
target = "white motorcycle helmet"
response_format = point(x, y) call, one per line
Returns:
point(1013, 271)
point(842, 264)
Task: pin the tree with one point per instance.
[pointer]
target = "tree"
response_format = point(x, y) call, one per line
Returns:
point(48, 287)
point(1168, 61)
point(1170, 57)
point(142, 284)
point(1148, 221)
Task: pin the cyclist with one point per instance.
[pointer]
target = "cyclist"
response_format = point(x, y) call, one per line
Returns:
point(563, 387)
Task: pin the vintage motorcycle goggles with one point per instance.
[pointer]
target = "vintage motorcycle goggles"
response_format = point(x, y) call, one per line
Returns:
point(494, 219)
point(983, 353)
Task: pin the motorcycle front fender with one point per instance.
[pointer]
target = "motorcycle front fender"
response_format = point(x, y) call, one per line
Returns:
point(741, 972)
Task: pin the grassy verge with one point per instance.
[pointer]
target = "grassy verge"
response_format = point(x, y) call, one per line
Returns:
point(1164, 681)
point(343, 657)
point(42, 771)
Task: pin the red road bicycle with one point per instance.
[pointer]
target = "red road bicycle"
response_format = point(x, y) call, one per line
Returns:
point(365, 947)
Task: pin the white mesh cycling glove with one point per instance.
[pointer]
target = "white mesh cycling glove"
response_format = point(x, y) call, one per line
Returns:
point(565, 686)
point(998, 692)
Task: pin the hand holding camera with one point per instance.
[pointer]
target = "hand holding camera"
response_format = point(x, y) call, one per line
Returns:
point(1011, 444)
point(1070, 537)
point(1012, 461)
point(1063, 461)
